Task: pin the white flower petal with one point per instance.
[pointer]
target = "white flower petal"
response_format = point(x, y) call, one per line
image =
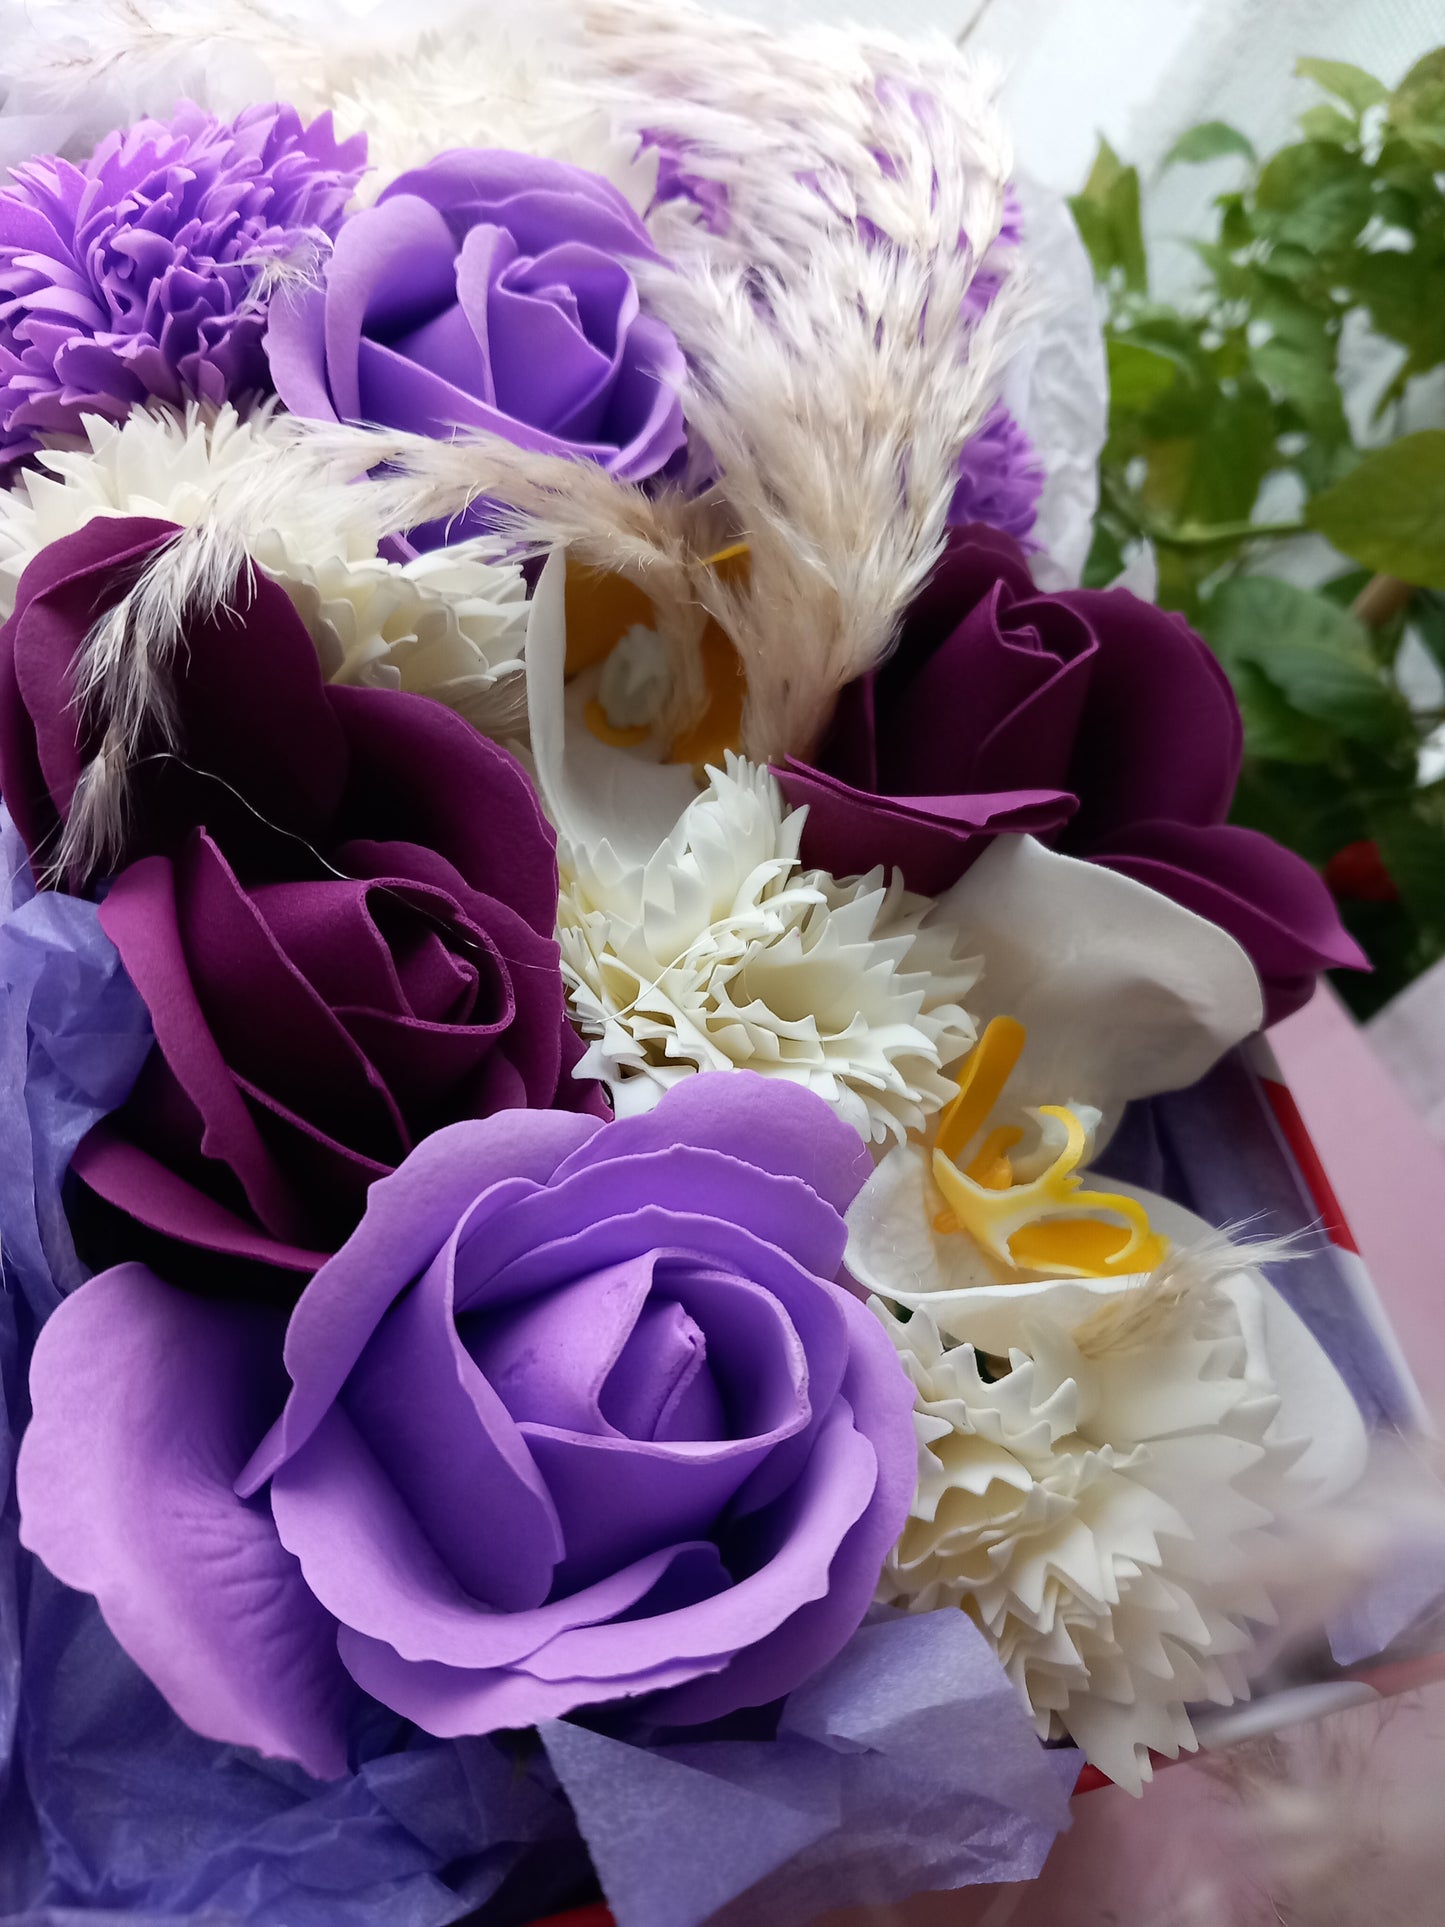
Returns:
point(1122, 992)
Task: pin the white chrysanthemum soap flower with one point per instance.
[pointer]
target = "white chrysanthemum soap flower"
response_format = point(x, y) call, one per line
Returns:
point(448, 624)
point(720, 951)
point(1098, 1462)
point(501, 89)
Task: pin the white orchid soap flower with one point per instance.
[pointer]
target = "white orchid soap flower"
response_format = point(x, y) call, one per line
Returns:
point(1113, 1408)
point(448, 624)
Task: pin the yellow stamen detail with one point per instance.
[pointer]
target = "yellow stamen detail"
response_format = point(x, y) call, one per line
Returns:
point(987, 1068)
point(1047, 1224)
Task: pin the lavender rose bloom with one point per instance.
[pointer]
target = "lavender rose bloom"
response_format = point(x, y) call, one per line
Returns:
point(338, 907)
point(489, 290)
point(578, 1414)
point(1091, 718)
point(136, 273)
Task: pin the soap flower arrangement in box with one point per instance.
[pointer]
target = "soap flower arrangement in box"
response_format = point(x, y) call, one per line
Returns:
point(585, 894)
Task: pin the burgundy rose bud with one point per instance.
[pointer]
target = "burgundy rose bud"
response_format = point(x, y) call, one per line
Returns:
point(1090, 718)
point(338, 905)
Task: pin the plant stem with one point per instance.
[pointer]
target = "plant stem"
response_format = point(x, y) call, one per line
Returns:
point(1381, 600)
point(1221, 535)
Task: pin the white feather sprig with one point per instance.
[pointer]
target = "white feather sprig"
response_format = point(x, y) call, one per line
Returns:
point(123, 687)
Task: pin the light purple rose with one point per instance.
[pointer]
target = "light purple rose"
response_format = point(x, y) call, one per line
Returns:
point(489, 290)
point(139, 272)
point(578, 1414)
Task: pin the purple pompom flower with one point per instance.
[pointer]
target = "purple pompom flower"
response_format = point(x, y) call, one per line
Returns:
point(139, 272)
point(1000, 479)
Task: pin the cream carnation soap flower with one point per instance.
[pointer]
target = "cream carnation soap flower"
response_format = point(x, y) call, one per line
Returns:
point(1101, 1464)
point(448, 624)
point(721, 952)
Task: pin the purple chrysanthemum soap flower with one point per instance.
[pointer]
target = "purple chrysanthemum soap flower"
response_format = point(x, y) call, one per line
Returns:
point(138, 272)
point(579, 1414)
point(1000, 479)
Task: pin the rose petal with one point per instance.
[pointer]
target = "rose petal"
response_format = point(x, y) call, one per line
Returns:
point(1266, 897)
point(931, 839)
point(1162, 736)
point(409, 1216)
point(422, 775)
point(388, 270)
point(151, 1192)
point(439, 1430)
point(363, 1552)
point(140, 916)
point(743, 1115)
point(803, 1533)
point(622, 1206)
point(450, 1701)
point(882, 1404)
point(146, 1403)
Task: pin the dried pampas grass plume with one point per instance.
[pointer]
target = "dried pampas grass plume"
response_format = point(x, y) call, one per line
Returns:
point(836, 365)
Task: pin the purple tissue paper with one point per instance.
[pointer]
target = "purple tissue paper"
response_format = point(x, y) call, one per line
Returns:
point(73, 1036)
point(907, 1764)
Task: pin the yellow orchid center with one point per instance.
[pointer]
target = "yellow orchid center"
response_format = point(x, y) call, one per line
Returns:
point(1049, 1223)
point(603, 609)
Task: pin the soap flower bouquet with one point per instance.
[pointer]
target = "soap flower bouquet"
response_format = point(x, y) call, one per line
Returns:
point(584, 896)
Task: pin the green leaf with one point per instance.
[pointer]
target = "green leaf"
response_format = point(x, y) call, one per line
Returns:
point(1106, 558)
point(1427, 619)
point(1307, 384)
point(1405, 294)
point(1138, 375)
point(1412, 844)
point(1313, 195)
point(1357, 89)
point(1417, 106)
point(1273, 729)
point(1232, 454)
point(1235, 227)
point(1329, 124)
point(1207, 142)
point(1316, 655)
point(1108, 216)
point(1389, 511)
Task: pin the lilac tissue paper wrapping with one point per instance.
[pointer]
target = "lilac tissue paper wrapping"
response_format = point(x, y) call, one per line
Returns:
point(908, 1764)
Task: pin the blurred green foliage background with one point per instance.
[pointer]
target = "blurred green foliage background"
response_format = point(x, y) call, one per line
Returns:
point(1231, 401)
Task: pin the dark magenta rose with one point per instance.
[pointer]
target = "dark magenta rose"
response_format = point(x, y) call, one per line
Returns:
point(1105, 723)
point(338, 905)
point(489, 290)
point(579, 1414)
